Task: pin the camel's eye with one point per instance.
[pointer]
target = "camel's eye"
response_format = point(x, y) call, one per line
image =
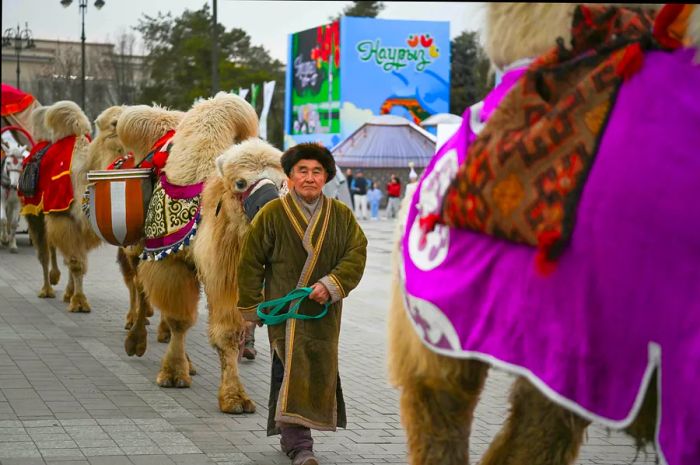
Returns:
point(114, 123)
point(240, 184)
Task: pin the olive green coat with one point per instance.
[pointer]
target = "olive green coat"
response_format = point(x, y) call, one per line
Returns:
point(286, 251)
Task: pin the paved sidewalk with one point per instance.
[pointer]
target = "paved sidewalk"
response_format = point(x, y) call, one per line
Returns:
point(69, 394)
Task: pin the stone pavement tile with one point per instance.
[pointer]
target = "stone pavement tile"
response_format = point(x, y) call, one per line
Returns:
point(9, 437)
point(67, 462)
point(109, 460)
point(18, 449)
point(151, 460)
point(191, 459)
point(61, 454)
point(55, 444)
point(97, 451)
point(142, 450)
point(23, 461)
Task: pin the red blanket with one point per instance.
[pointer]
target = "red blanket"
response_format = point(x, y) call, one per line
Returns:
point(58, 194)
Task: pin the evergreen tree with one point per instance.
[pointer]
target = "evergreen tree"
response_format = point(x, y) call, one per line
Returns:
point(470, 80)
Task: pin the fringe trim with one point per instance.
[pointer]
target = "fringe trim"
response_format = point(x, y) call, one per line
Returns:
point(161, 254)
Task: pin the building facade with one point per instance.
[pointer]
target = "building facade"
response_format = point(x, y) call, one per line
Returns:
point(51, 71)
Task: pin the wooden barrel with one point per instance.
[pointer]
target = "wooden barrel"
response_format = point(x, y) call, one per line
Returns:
point(117, 203)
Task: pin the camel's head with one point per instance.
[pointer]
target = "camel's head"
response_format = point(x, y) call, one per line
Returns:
point(65, 118)
point(140, 126)
point(39, 129)
point(252, 175)
point(106, 147)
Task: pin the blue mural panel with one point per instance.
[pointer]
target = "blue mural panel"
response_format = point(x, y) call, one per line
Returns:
point(392, 67)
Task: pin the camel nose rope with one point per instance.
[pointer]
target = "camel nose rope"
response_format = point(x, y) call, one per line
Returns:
point(273, 317)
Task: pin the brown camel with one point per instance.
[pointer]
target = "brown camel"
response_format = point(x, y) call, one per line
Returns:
point(138, 129)
point(171, 283)
point(439, 393)
point(70, 231)
point(217, 250)
point(46, 253)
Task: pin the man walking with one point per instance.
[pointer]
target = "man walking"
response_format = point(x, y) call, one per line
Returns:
point(303, 239)
point(360, 186)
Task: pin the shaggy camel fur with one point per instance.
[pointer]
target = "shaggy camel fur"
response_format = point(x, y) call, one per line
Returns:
point(171, 284)
point(70, 231)
point(439, 393)
point(217, 250)
point(139, 128)
point(46, 253)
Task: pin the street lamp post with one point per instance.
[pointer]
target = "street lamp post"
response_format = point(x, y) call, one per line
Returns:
point(22, 40)
point(82, 4)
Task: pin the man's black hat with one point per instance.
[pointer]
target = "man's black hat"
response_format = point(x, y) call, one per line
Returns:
point(308, 151)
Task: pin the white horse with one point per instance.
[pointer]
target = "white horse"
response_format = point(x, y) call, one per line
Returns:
point(11, 169)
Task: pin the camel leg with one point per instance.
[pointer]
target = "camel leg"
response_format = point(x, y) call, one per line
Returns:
point(438, 413)
point(226, 329)
point(163, 331)
point(70, 288)
point(129, 276)
point(537, 431)
point(137, 339)
point(37, 233)
point(78, 267)
point(643, 427)
point(438, 393)
point(55, 273)
point(171, 285)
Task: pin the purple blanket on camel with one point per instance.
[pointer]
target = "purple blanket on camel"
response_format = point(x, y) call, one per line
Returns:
point(625, 295)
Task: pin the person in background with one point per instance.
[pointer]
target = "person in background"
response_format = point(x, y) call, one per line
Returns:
point(359, 191)
point(393, 192)
point(374, 196)
point(349, 178)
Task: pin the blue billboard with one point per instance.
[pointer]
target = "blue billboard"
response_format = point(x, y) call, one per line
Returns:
point(375, 66)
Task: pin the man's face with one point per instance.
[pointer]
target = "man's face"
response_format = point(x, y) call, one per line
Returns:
point(308, 178)
point(348, 172)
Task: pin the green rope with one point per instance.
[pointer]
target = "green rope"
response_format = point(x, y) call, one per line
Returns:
point(272, 318)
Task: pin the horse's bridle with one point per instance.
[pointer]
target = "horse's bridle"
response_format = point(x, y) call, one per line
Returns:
point(4, 177)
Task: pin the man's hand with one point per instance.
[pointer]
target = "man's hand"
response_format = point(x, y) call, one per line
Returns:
point(319, 294)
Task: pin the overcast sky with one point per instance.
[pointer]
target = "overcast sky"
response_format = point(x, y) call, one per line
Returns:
point(267, 22)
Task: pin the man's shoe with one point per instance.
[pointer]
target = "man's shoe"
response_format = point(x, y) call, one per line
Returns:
point(304, 457)
point(249, 351)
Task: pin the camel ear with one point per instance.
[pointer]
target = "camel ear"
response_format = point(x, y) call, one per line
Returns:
point(220, 165)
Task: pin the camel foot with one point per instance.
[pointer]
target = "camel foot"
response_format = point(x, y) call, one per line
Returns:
point(235, 402)
point(14, 250)
point(168, 379)
point(193, 370)
point(79, 304)
point(54, 276)
point(46, 292)
point(136, 342)
point(67, 295)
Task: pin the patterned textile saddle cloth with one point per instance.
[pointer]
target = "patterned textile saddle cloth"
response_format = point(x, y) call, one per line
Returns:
point(524, 173)
point(172, 218)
